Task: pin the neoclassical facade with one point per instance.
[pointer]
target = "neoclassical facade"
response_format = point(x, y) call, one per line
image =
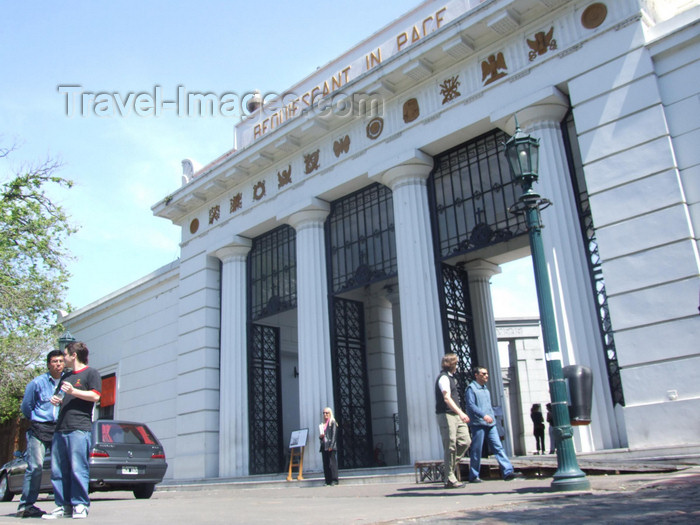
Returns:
point(349, 241)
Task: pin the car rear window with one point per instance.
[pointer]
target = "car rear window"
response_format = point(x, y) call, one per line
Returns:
point(127, 433)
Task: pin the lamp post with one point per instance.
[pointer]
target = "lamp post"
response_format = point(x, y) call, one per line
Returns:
point(522, 153)
point(64, 340)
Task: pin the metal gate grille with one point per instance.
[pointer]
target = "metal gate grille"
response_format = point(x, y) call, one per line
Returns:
point(351, 389)
point(265, 401)
point(458, 323)
point(272, 273)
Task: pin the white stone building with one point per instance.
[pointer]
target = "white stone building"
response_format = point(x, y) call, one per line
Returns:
point(348, 242)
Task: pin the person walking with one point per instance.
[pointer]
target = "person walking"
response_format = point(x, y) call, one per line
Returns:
point(42, 415)
point(483, 426)
point(451, 419)
point(329, 440)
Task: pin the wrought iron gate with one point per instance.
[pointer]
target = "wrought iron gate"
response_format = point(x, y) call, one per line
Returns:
point(351, 390)
point(265, 400)
point(458, 325)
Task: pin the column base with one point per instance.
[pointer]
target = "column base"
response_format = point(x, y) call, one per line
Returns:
point(568, 481)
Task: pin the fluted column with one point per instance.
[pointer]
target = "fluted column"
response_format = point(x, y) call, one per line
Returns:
point(421, 327)
point(404, 453)
point(233, 366)
point(479, 273)
point(315, 376)
point(574, 303)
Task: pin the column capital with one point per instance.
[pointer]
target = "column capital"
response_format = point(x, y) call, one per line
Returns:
point(314, 213)
point(481, 269)
point(549, 105)
point(417, 168)
point(239, 248)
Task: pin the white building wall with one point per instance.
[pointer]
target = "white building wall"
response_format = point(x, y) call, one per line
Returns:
point(133, 334)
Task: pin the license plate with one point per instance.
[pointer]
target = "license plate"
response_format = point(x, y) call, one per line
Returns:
point(130, 470)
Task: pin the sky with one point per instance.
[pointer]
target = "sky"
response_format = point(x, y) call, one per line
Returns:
point(121, 162)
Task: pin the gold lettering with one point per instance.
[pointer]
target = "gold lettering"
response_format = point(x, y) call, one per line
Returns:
point(336, 82)
point(264, 125)
point(438, 17)
point(424, 21)
point(373, 59)
point(313, 96)
point(256, 131)
point(272, 121)
point(345, 73)
point(304, 98)
point(415, 35)
point(326, 89)
point(401, 40)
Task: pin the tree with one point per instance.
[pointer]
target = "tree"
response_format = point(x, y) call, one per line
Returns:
point(33, 275)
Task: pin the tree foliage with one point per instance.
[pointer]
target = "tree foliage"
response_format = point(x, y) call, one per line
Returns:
point(33, 274)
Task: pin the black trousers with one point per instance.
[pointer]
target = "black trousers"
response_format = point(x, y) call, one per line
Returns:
point(330, 466)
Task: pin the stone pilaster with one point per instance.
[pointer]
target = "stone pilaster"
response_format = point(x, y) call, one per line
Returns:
point(233, 367)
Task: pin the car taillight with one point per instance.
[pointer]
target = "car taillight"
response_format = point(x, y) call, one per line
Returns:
point(95, 453)
point(157, 456)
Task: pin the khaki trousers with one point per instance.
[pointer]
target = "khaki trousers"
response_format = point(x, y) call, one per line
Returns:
point(455, 442)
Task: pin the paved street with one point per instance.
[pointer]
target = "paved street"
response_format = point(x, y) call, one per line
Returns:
point(628, 498)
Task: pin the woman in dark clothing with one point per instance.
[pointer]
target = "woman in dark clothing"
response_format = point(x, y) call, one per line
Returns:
point(329, 435)
point(538, 421)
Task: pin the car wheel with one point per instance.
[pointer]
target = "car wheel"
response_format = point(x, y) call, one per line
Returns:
point(144, 491)
point(5, 494)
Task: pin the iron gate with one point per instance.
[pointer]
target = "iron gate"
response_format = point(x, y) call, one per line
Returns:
point(265, 400)
point(351, 390)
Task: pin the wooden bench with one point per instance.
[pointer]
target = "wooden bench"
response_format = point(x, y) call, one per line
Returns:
point(429, 471)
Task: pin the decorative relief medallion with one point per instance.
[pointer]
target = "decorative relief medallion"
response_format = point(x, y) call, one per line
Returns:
point(284, 177)
point(214, 214)
point(341, 145)
point(311, 161)
point(491, 68)
point(541, 44)
point(411, 111)
point(594, 15)
point(236, 202)
point(259, 190)
point(194, 226)
point(375, 128)
point(448, 89)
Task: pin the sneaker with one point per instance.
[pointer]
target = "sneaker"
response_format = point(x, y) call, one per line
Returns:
point(80, 512)
point(453, 484)
point(475, 480)
point(30, 512)
point(512, 476)
point(56, 514)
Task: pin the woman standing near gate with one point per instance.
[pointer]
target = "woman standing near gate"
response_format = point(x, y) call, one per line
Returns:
point(538, 422)
point(329, 434)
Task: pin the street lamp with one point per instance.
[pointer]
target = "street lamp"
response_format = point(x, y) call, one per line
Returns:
point(522, 153)
point(64, 340)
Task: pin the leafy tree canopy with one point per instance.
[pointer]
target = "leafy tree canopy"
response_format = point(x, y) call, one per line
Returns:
point(33, 274)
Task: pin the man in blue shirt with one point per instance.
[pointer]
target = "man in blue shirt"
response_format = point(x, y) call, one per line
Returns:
point(37, 408)
point(483, 425)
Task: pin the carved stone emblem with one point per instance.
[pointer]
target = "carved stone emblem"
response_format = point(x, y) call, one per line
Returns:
point(594, 15)
point(541, 44)
point(259, 190)
point(214, 214)
point(284, 177)
point(375, 128)
point(448, 89)
point(491, 68)
point(236, 202)
point(341, 145)
point(194, 226)
point(311, 161)
point(411, 110)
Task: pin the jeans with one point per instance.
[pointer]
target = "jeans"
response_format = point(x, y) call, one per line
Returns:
point(455, 441)
point(478, 435)
point(70, 469)
point(36, 452)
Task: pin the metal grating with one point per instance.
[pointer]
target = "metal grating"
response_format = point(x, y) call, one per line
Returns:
point(265, 401)
point(272, 273)
point(590, 244)
point(351, 389)
point(458, 324)
point(471, 190)
point(360, 230)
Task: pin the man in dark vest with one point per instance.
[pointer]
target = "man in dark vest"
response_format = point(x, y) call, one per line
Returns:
point(451, 419)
